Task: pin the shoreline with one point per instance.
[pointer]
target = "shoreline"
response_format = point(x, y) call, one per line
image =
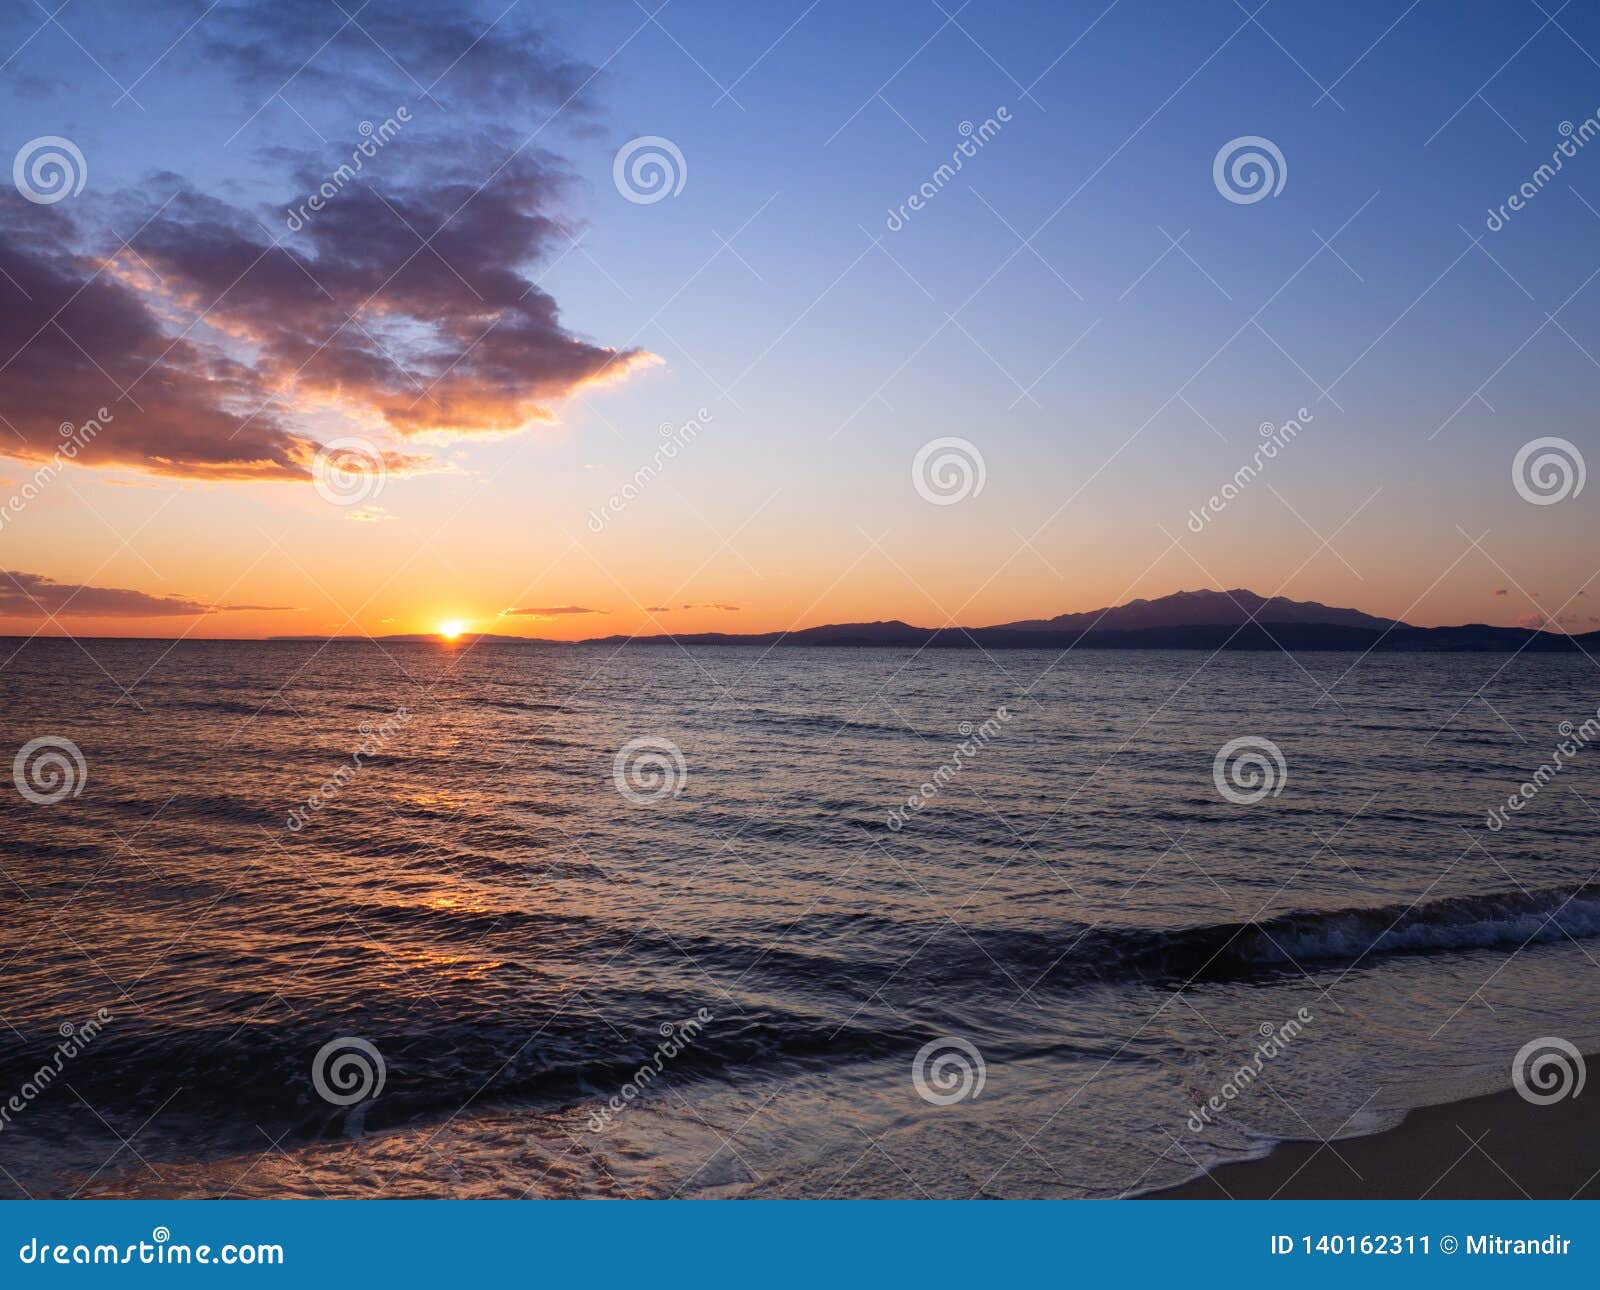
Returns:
point(1492, 1146)
point(1244, 637)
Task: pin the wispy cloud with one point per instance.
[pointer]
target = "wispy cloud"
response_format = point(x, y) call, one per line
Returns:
point(32, 595)
point(549, 611)
point(495, 60)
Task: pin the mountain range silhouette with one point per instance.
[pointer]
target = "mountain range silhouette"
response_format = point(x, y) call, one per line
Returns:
point(1210, 620)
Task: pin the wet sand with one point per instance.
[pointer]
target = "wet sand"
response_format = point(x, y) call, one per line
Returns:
point(1492, 1147)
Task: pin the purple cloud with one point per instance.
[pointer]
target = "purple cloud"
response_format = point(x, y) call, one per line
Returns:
point(32, 595)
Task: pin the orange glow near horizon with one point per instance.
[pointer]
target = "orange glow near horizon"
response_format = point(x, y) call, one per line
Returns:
point(452, 628)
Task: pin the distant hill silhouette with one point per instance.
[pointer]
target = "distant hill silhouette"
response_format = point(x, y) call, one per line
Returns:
point(1208, 620)
point(1201, 620)
point(1293, 636)
point(1203, 609)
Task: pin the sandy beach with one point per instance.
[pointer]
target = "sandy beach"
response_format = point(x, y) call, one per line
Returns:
point(1493, 1147)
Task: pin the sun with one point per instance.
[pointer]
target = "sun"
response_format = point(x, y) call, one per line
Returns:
point(452, 628)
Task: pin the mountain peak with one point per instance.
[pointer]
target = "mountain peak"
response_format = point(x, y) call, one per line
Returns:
point(1205, 608)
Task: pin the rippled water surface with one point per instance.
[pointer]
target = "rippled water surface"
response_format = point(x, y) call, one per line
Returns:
point(425, 847)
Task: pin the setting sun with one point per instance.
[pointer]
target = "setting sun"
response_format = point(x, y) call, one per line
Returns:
point(949, 580)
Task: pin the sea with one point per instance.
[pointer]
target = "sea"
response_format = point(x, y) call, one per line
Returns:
point(363, 919)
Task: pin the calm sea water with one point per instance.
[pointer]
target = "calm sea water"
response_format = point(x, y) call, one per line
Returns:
point(276, 850)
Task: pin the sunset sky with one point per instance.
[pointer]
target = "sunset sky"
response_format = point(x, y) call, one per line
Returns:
point(485, 305)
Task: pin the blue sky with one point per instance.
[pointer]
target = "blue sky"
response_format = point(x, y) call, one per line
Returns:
point(1036, 307)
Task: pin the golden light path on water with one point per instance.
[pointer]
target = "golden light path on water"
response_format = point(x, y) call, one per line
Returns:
point(436, 847)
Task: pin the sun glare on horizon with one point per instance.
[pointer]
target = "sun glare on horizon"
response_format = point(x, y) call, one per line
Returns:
point(452, 628)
